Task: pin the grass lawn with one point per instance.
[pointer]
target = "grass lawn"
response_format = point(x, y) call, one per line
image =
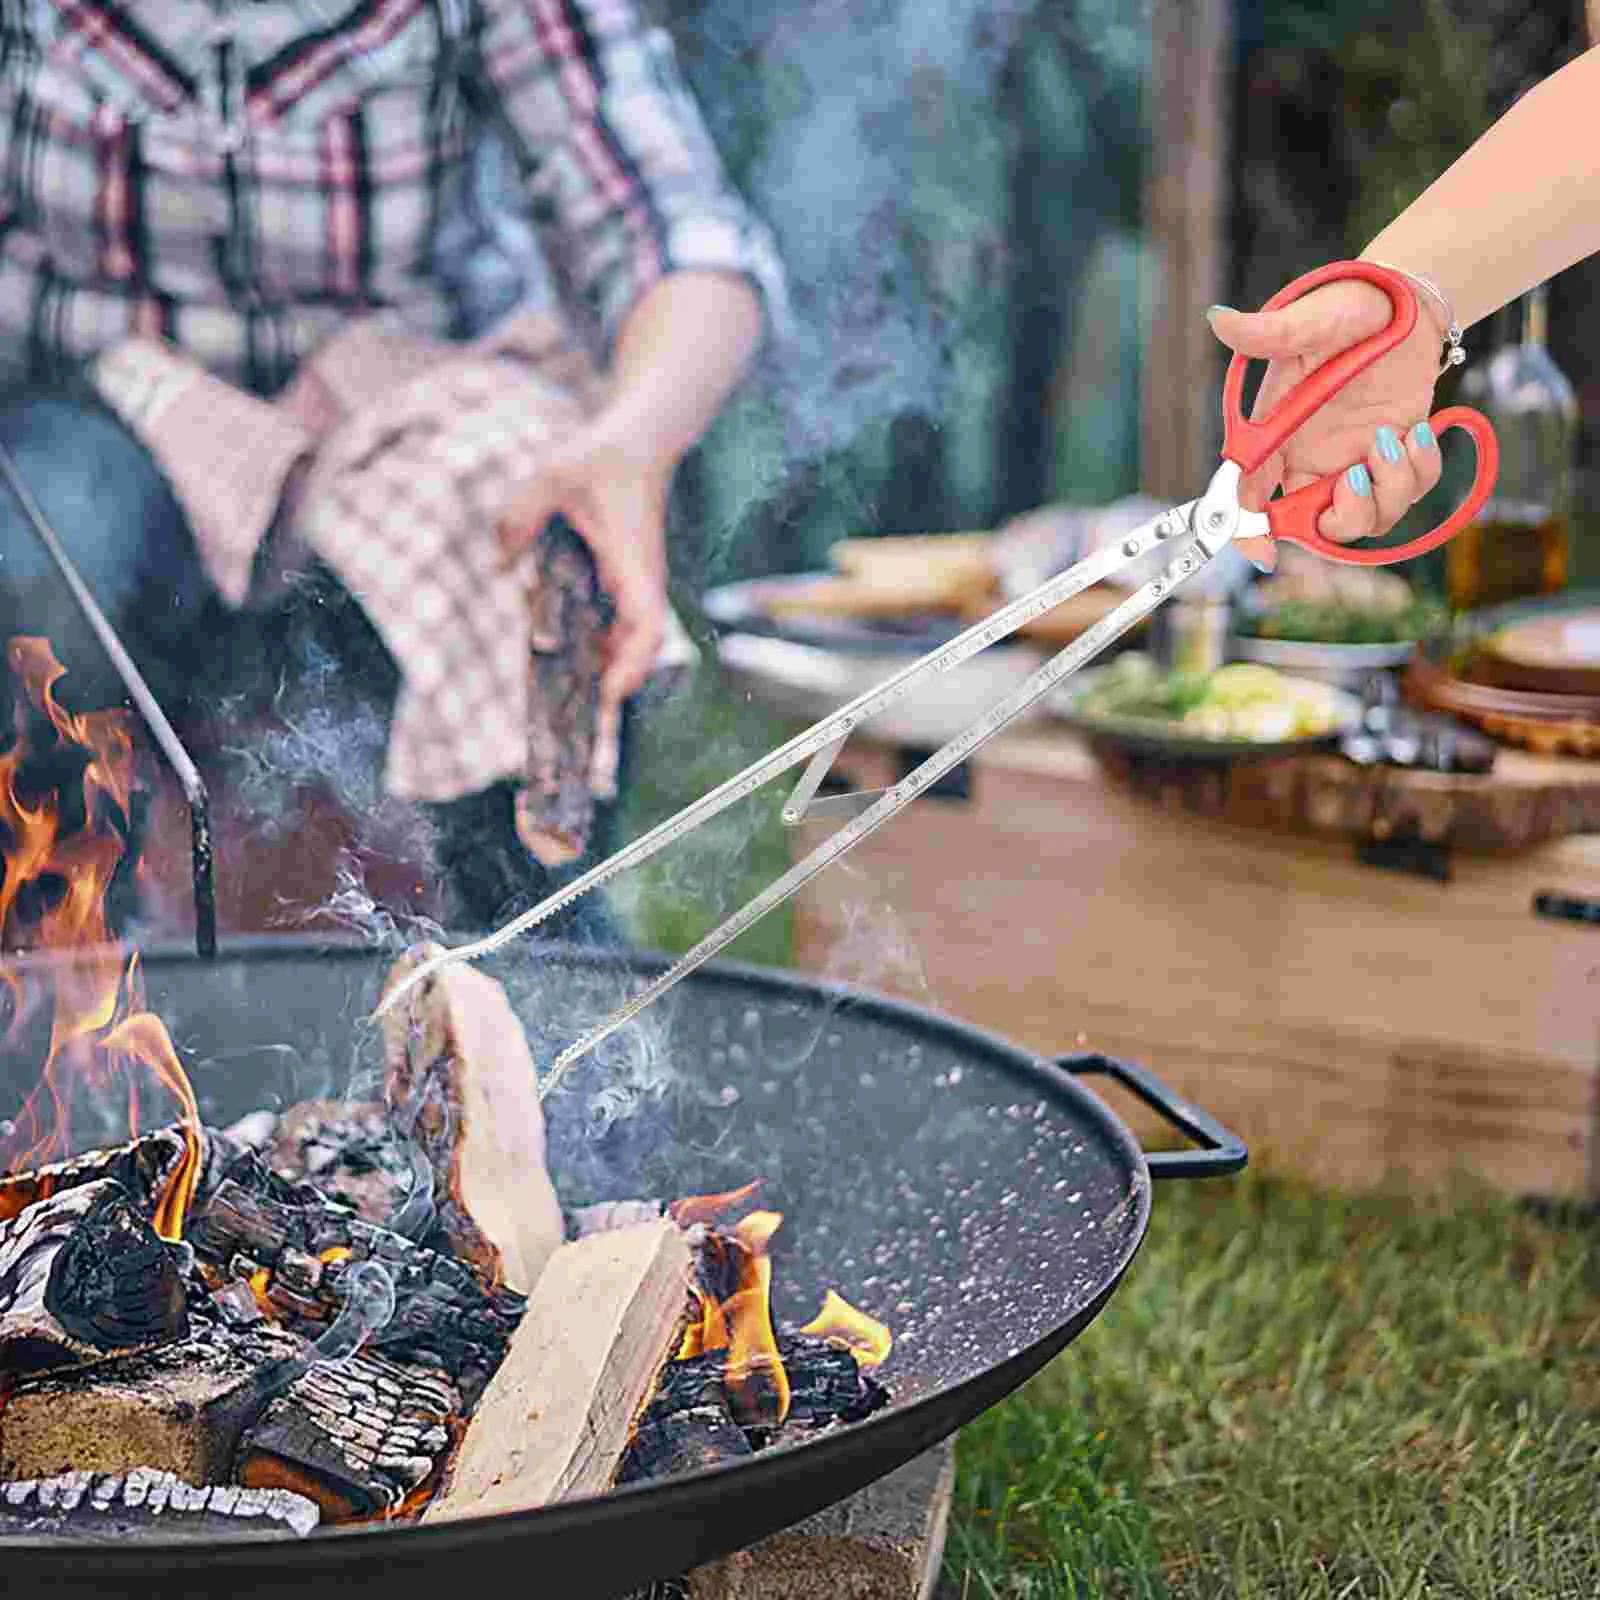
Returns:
point(1296, 1393)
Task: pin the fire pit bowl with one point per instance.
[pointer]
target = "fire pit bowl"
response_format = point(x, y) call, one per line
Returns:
point(975, 1197)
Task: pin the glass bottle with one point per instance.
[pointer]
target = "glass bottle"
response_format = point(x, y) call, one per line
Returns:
point(1520, 544)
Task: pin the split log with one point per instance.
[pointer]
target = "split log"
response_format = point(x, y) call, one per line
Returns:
point(460, 1080)
point(356, 1437)
point(112, 1506)
point(181, 1408)
point(84, 1277)
point(346, 1150)
point(555, 1421)
point(444, 1315)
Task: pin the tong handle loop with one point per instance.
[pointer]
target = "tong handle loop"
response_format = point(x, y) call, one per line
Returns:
point(1249, 442)
point(1294, 517)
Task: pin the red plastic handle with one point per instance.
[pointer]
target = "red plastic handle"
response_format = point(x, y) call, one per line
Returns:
point(1294, 517)
point(1250, 443)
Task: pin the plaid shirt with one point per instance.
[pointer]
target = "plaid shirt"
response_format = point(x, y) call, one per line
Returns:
point(243, 178)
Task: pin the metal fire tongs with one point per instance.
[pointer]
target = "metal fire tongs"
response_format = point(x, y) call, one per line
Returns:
point(1191, 535)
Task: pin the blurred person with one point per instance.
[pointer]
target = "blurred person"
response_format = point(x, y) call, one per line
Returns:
point(225, 188)
point(1519, 206)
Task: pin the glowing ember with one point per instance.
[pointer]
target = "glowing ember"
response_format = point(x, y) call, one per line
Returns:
point(867, 1339)
point(335, 1252)
point(62, 841)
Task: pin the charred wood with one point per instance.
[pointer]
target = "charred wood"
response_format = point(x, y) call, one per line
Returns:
point(84, 1277)
point(143, 1167)
point(181, 1408)
point(461, 1082)
point(108, 1506)
point(444, 1315)
point(687, 1425)
point(354, 1436)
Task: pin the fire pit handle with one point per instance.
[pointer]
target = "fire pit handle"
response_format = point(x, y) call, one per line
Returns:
point(1221, 1152)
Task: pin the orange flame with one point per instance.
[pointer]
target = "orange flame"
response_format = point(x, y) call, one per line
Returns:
point(867, 1339)
point(100, 1027)
point(707, 1207)
point(758, 1386)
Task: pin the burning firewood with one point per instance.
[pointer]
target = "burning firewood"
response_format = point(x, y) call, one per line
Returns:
point(606, 1317)
point(348, 1150)
point(143, 1168)
point(84, 1277)
point(687, 1425)
point(181, 1408)
point(354, 1436)
point(461, 1081)
point(104, 1507)
point(296, 1248)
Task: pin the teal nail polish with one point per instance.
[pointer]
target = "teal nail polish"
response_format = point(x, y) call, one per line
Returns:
point(1359, 479)
point(1211, 311)
point(1422, 435)
point(1389, 446)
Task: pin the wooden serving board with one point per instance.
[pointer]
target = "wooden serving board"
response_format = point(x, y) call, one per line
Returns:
point(1526, 800)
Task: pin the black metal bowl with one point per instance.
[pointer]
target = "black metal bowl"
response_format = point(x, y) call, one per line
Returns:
point(976, 1198)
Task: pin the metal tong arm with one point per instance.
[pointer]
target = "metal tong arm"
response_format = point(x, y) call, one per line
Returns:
point(831, 731)
point(825, 737)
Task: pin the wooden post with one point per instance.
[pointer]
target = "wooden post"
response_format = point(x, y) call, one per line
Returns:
point(1186, 201)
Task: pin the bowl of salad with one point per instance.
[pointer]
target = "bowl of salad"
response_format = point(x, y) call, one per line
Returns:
point(1339, 625)
point(1242, 709)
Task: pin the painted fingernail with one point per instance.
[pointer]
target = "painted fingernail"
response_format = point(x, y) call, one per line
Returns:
point(1389, 446)
point(1422, 435)
point(1211, 311)
point(1359, 479)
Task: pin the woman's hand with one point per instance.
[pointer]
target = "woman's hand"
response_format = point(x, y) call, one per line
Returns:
point(615, 496)
point(1373, 433)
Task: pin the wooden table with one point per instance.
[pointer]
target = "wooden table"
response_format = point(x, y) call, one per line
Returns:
point(1350, 1022)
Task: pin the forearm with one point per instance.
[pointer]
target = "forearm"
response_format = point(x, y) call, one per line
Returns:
point(1521, 205)
point(680, 352)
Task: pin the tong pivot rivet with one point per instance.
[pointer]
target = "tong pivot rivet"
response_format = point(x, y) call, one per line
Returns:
point(1217, 517)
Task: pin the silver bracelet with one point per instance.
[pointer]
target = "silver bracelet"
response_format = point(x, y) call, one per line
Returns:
point(1455, 355)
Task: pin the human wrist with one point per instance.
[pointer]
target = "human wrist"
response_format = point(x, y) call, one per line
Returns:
point(1434, 301)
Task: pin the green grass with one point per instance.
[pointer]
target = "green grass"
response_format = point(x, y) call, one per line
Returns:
point(1298, 1394)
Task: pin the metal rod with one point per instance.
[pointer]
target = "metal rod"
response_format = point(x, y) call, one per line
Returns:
point(194, 788)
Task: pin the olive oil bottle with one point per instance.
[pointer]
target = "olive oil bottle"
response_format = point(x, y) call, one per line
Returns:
point(1520, 544)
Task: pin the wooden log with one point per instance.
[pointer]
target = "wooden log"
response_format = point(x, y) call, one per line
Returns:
point(356, 1437)
point(181, 1408)
point(445, 1316)
point(555, 808)
point(555, 1420)
point(461, 1081)
point(84, 1277)
point(102, 1507)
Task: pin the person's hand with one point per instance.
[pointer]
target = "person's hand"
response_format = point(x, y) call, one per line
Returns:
point(615, 497)
point(1373, 433)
